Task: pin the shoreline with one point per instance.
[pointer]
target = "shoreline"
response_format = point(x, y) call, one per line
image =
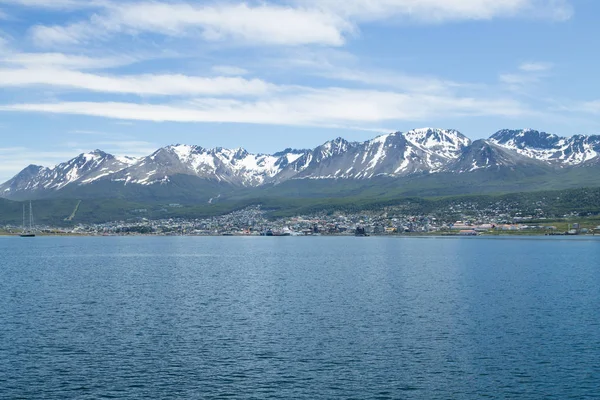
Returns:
point(415, 235)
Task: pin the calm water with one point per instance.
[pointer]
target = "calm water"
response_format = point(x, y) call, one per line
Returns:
point(288, 318)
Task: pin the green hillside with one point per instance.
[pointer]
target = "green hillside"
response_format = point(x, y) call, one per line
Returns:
point(61, 212)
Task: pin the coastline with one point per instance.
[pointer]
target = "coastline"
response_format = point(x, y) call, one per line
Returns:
point(405, 235)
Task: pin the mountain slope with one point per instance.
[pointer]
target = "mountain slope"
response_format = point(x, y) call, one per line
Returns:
point(428, 161)
point(483, 154)
point(562, 151)
point(395, 154)
point(236, 167)
point(35, 181)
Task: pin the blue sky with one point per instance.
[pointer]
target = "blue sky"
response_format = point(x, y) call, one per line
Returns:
point(131, 76)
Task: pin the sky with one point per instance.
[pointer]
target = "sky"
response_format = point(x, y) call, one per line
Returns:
point(128, 77)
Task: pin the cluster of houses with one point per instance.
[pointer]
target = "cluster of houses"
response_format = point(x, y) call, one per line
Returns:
point(468, 229)
point(253, 222)
point(389, 221)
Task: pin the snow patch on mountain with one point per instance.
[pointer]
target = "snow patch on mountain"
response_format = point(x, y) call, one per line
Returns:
point(553, 149)
point(419, 151)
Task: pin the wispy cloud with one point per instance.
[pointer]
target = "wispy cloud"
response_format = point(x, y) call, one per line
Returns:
point(592, 107)
point(535, 66)
point(393, 79)
point(445, 10)
point(325, 107)
point(88, 132)
point(262, 24)
point(73, 34)
point(518, 80)
point(70, 61)
point(424, 10)
point(344, 68)
point(148, 84)
point(4, 42)
point(300, 22)
point(58, 4)
point(185, 85)
point(229, 70)
point(529, 74)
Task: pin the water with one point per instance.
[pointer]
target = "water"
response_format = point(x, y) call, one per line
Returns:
point(312, 318)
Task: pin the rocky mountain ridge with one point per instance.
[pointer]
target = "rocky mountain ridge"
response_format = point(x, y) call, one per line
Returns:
point(419, 151)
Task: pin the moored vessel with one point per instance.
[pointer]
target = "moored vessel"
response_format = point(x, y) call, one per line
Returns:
point(28, 233)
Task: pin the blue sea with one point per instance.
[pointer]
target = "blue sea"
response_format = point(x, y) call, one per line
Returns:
point(299, 318)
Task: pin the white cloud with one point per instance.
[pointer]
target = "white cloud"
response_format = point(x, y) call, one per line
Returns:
point(392, 79)
point(530, 74)
point(77, 33)
point(149, 84)
point(229, 70)
point(523, 84)
point(4, 42)
point(343, 68)
point(444, 10)
point(535, 66)
point(592, 107)
point(263, 24)
point(70, 61)
point(518, 79)
point(325, 107)
point(420, 10)
point(301, 22)
point(88, 132)
point(57, 4)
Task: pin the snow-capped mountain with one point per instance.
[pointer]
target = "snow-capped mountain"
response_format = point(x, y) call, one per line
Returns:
point(237, 166)
point(83, 169)
point(486, 155)
point(413, 153)
point(395, 154)
point(563, 151)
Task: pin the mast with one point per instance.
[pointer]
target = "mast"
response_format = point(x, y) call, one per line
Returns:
point(30, 217)
point(28, 232)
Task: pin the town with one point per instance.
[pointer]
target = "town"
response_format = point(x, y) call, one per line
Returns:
point(458, 220)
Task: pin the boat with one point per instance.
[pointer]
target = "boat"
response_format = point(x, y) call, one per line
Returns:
point(28, 233)
point(360, 232)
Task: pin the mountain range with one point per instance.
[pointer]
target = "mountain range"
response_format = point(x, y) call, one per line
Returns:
point(436, 160)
